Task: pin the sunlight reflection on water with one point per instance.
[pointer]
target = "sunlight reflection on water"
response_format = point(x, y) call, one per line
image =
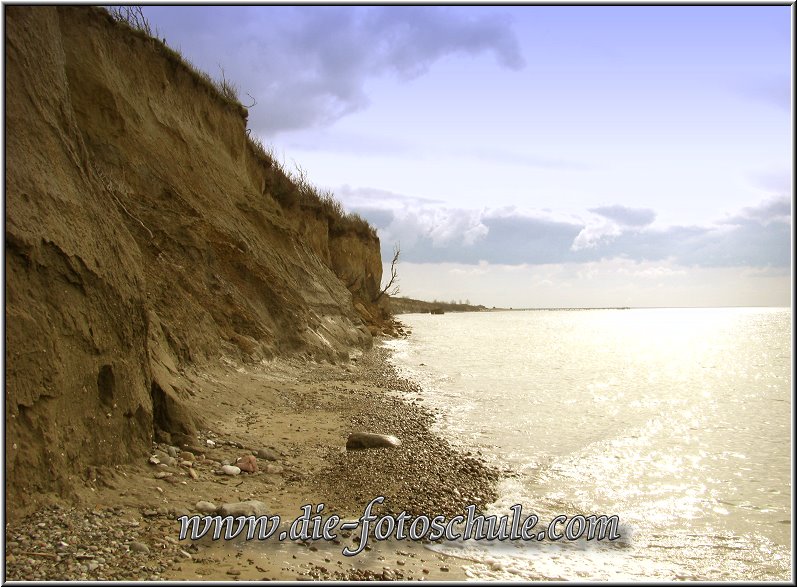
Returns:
point(677, 420)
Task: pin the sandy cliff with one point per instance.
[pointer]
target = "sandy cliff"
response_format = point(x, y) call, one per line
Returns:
point(143, 233)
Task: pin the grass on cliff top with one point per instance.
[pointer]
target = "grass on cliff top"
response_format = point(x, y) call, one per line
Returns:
point(292, 187)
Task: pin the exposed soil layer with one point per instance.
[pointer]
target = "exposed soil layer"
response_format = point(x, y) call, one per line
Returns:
point(146, 237)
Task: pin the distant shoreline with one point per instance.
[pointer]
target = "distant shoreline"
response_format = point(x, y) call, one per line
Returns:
point(411, 306)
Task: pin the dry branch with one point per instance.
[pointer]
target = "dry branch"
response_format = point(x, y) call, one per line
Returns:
point(391, 288)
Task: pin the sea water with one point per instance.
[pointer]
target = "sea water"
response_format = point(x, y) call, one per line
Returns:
point(678, 421)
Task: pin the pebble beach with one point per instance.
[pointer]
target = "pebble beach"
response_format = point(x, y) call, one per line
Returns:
point(275, 435)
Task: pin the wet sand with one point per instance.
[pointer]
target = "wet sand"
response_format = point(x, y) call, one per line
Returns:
point(300, 414)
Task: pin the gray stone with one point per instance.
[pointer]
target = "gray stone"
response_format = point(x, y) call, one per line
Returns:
point(162, 460)
point(230, 470)
point(267, 454)
point(244, 508)
point(362, 440)
point(173, 452)
point(205, 507)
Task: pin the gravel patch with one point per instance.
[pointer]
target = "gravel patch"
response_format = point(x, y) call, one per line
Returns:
point(126, 533)
point(424, 475)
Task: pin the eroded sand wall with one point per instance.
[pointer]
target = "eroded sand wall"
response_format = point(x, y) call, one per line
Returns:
point(143, 234)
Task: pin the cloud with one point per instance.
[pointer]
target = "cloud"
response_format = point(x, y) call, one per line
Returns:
point(438, 229)
point(609, 222)
point(755, 236)
point(409, 39)
point(728, 245)
point(594, 233)
point(308, 66)
point(526, 238)
point(626, 216)
point(437, 234)
point(776, 209)
point(380, 199)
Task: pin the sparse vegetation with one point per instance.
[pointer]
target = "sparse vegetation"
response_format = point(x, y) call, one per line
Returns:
point(264, 154)
point(228, 89)
point(412, 306)
point(293, 188)
point(288, 187)
point(132, 16)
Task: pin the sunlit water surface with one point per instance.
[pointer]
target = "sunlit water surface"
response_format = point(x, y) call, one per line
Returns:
point(676, 420)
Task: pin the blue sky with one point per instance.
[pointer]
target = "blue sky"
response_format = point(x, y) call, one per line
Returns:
point(528, 155)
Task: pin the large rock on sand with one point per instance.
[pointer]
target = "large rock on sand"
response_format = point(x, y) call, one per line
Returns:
point(247, 463)
point(362, 440)
point(244, 508)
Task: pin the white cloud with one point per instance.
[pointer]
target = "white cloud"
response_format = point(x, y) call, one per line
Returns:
point(774, 209)
point(756, 235)
point(309, 66)
point(598, 230)
point(626, 216)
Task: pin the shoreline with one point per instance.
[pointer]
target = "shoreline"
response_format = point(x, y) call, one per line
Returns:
point(298, 413)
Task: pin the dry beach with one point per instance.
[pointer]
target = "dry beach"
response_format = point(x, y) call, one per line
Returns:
point(296, 416)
